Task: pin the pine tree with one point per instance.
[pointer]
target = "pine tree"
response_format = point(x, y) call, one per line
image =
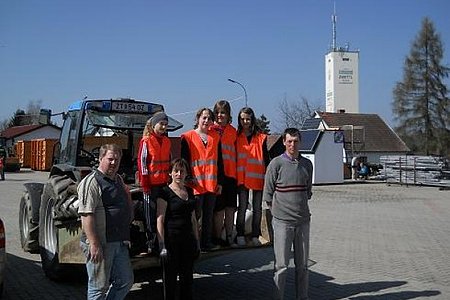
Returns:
point(18, 119)
point(263, 124)
point(421, 103)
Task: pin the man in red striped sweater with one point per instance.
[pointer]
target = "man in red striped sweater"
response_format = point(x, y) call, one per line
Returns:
point(287, 190)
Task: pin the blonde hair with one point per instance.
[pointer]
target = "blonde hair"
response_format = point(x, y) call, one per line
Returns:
point(148, 129)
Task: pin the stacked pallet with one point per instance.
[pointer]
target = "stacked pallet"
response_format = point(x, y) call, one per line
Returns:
point(414, 169)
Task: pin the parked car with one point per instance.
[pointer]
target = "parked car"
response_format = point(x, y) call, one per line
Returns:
point(2, 256)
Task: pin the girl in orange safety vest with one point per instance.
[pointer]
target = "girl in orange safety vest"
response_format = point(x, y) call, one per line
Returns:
point(153, 169)
point(252, 159)
point(201, 148)
point(226, 202)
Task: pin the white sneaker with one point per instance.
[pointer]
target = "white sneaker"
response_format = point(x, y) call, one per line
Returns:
point(256, 242)
point(241, 241)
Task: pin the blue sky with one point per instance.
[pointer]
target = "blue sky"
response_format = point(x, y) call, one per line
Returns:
point(180, 53)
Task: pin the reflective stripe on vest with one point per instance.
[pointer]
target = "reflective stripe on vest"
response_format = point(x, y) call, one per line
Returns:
point(203, 161)
point(250, 163)
point(228, 142)
point(199, 163)
point(159, 165)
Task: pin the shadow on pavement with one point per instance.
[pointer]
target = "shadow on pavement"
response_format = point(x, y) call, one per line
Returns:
point(399, 295)
point(245, 274)
point(14, 179)
point(248, 274)
point(25, 279)
point(150, 285)
point(322, 288)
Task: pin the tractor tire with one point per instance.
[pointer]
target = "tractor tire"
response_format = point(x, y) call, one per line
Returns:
point(48, 236)
point(29, 230)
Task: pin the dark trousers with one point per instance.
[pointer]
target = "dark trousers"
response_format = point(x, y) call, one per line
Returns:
point(180, 261)
point(150, 216)
point(242, 209)
point(204, 212)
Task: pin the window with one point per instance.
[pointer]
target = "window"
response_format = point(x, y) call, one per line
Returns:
point(68, 138)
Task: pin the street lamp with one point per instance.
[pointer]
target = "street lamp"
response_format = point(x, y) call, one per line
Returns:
point(245, 92)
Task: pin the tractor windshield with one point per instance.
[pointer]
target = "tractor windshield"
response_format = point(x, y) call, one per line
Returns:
point(117, 120)
point(124, 114)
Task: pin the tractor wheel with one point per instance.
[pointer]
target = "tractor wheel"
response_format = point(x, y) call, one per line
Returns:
point(48, 236)
point(29, 230)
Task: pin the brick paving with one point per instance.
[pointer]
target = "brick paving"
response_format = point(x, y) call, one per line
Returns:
point(370, 241)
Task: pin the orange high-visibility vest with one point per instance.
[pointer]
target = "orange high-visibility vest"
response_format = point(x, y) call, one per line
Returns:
point(154, 161)
point(204, 160)
point(228, 143)
point(250, 161)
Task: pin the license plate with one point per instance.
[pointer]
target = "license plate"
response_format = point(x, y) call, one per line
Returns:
point(130, 107)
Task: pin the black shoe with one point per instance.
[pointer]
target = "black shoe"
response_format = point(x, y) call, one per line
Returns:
point(152, 247)
point(210, 247)
point(223, 243)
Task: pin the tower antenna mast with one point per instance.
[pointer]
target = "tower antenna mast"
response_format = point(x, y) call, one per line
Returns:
point(333, 20)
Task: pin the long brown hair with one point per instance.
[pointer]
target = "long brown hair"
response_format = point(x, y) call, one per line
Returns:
point(199, 113)
point(254, 127)
point(225, 106)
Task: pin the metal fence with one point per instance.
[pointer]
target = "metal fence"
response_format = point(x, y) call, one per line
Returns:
point(417, 170)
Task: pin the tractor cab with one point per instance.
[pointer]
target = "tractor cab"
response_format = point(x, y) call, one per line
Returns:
point(89, 124)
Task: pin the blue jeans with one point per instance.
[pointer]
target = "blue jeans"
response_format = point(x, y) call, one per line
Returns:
point(284, 235)
point(111, 278)
point(256, 209)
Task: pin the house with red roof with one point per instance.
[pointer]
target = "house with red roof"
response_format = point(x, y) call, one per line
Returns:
point(29, 132)
point(364, 135)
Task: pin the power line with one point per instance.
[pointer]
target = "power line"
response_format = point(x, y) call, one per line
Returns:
point(194, 111)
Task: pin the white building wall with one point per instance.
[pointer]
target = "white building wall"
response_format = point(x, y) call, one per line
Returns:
point(312, 158)
point(342, 81)
point(46, 132)
point(327, 160)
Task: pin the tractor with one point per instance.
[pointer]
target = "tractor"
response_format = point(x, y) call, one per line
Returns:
point(48, 218)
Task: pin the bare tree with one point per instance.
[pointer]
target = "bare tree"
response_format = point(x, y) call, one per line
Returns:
point(293, 114)
point(30, 116)
point(33, 111)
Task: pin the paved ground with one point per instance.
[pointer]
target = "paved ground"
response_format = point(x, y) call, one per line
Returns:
point(370, 241)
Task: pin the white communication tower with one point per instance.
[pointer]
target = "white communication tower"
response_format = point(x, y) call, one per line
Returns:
point(341, 77)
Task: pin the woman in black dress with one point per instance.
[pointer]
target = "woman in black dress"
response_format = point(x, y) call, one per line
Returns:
point(177, 232)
